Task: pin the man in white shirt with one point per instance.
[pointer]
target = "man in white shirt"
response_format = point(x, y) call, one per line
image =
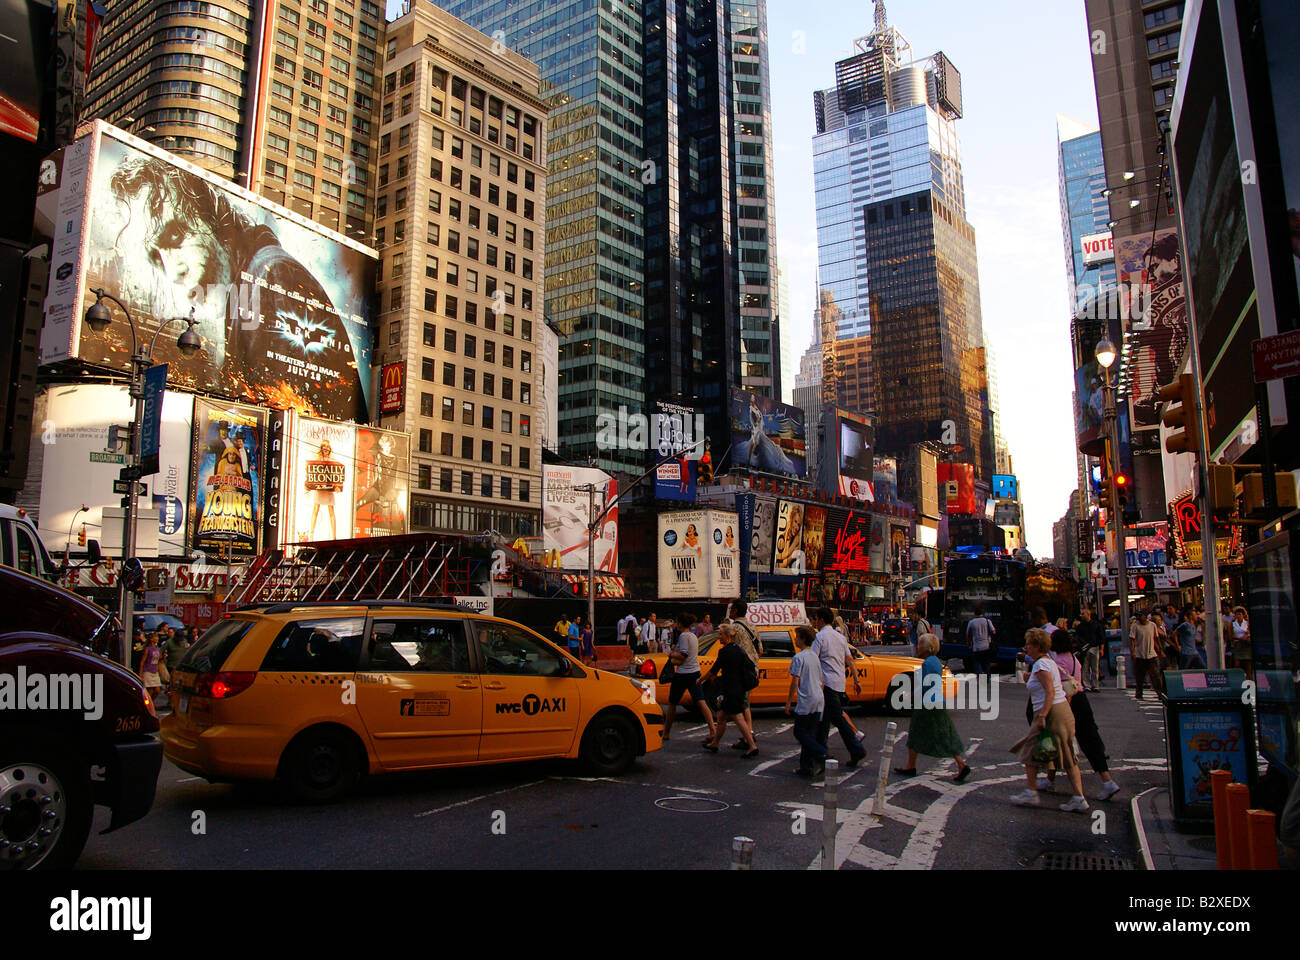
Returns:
point(836, 659)
point(650, 634)
point(627, 630)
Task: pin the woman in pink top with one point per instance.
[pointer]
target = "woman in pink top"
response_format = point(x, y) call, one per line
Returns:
point(1085, 724)
point(1051, 712)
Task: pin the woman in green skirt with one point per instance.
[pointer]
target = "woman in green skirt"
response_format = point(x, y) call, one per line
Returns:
point(931, 731)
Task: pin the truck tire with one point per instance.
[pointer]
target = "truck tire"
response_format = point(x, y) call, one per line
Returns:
point(46, 807)
point(609, 745)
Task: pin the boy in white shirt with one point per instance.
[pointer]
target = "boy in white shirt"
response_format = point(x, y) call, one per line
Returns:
point(806, 684)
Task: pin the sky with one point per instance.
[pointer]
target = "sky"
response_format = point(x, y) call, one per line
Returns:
point(1021, 65)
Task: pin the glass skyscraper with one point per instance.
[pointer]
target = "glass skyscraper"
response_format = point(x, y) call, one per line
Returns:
point(1085, 210)
point(661, 258)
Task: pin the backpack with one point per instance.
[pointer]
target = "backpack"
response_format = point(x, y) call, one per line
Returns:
point(749, 678)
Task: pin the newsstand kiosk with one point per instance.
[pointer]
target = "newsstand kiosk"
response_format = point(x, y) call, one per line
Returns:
point(1209, 725)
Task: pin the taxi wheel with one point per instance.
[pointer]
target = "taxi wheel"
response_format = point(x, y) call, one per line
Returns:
point(610, 744)
point(320, 766)
point(45, 805)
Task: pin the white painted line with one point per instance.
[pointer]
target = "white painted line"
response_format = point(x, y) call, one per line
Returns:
point(465, 803)
point(768, 764)
point(189, 779)
point(872, 859)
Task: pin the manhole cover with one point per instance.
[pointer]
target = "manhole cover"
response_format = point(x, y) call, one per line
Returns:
point(1082, 861)
point(691, 804)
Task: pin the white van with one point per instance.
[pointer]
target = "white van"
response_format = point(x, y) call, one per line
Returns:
point(21, 547)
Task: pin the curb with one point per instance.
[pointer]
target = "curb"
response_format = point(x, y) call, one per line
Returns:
point(1139, 831)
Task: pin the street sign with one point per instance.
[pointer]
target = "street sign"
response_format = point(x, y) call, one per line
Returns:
point(1276, 357)
point(155, 382)
point(124, 487)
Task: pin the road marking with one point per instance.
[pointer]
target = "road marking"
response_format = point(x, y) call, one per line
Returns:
point(465, 803)
point(189, 779)
point(768, 764)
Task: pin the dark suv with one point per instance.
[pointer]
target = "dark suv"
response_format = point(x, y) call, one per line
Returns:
point(76, 729)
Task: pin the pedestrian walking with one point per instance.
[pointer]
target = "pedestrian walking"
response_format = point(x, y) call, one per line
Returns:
point(832, 651)
point(931, 731)
point(1086, 734)
point(151, 666)
point(918, 628)
point(748, 641)
point(1143, 648)
point(704, 627)
point(650, 635)
point(686, 678)
point(1051, 716)
point(1090, 638)
point(574, 639)
point(735, 669)
point(587, 643)
point(627, 628)
point(1243, 654)
point(561, 632)
point(979, 637)
point(1185, 635)
point(807, 695)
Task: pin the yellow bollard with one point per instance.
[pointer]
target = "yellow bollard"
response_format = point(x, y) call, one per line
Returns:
point(1219, 780)
point(1261, 839)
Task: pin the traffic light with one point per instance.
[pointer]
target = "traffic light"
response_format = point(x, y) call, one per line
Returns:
point(1103, 494)
point(81, 536)
point(1123, 486)
point(1181, 397)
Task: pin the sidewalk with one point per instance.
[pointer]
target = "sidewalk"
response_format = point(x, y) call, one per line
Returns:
point(1160, 846)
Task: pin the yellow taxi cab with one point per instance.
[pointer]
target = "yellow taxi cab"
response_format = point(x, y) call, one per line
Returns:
point(317, 694)
point(875, 671)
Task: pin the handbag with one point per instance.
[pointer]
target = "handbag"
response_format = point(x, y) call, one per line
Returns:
point(1045, 750)
point(1070, 685)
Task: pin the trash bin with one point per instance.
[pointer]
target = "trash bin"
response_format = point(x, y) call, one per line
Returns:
point(1277, 713)
point(1115, 648)
point(1208, 726)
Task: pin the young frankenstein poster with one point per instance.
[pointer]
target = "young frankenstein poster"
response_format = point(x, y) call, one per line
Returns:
point(229, 443)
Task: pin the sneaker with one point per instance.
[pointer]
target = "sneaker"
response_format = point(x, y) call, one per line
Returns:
point(1075, 805)
point(1026, 798)
point(1044, 782)
point(1108, 790)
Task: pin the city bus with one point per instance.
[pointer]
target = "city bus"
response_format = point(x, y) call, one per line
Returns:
point(997, 584)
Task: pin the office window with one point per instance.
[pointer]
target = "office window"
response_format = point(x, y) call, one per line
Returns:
point(471, 345)
point(452, 274)
point(508, 357)
point(425, 479)
point(489, 417)
point(467, 448)
point(491, 256)
point(449, 375)
point(426, 441)
point(525, 425)
point(485, 485)
point(467, 413)
point(486, 454)
point(395, 299)
point(430, 335)
point(431, 267)
point(453, 209)
point(467, 383)
point(505, 488)
point(507, 426)
point(426, 405)
point(523, 491)
point(453, 241)
point(525, 392)
point(430, 300)
point(525, 362)
point(489, 384)
point(449, 340)
point(432, 233)
point(507, 388)
point(490, 351)
point(447, 440)
point(507, 455)
point(426, 369)
point(471, 281)
point(451, 307)
point(525, 458)
point(444, 479)
point(471, 312)
point(528, 239)
point(435, 201)
point(466, 483)
point(448, 408)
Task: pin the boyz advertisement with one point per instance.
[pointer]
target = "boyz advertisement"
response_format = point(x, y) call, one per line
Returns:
point(282, 304)
point(226, 507)
point(383, 460)
point(767, 436)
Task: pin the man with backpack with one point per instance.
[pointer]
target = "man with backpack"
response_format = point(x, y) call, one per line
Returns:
point(739, 675)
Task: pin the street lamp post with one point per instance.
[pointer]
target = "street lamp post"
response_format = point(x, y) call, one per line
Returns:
point(1106, 356)
point(189, 343)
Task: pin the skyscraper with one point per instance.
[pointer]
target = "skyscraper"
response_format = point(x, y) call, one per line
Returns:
point(1085, 211)
point(896, 254)
point(460, 221)
point(277, 95)
point(661, 271)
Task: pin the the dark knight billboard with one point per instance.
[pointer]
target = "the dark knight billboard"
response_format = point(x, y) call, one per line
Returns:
point(282, 305)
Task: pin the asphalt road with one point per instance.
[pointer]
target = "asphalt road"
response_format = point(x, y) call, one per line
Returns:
point(678, 807)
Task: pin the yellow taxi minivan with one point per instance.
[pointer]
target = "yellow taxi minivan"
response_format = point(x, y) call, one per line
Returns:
point(315, 695)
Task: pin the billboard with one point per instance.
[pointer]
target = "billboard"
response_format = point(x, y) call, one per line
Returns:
point(392, 388)
point(1097, 248)
point(848, 543)
point(958, 483)
point(1152, 264)
point(849, 453)
point(699, 555)
point(767, 436)
point(226, 463)
point(565, 517)
point(676, 430)
point(788, 556)
point(763, 537)
point(814, 537)
point(319, 480)
point(383, 472)
point(900, 550)
point(885, 481)
point(282, 304)
point(675, 480)
point(78, 468)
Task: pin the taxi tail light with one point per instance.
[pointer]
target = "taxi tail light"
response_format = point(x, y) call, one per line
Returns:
point(648, 669)
point(222, 686)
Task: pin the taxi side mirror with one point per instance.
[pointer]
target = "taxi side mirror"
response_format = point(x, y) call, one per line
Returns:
point(565, 668)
